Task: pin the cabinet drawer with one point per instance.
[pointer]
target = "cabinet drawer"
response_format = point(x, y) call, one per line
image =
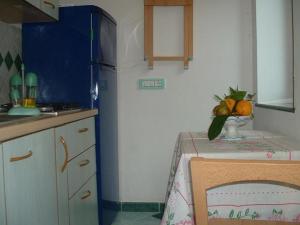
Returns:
point(80, 170)
point(75, 137)
point(83, 205)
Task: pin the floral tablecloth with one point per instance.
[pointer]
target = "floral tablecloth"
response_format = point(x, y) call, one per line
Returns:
point(250, 201)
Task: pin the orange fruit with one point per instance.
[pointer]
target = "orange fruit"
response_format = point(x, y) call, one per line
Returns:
point(244, 108)
point(230, 103)
point(221, 110)
point(215, 110)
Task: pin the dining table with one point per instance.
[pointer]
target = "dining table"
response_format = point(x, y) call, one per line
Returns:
point(257, 201)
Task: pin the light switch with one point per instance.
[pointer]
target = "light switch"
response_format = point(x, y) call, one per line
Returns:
point(152, 84)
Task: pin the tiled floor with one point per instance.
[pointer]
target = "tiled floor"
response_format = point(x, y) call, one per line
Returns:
point(136, 218)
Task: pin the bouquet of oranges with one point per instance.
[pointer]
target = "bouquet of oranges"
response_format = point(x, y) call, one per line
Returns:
point(236, 103)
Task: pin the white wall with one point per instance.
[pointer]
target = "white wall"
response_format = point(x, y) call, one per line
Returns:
point(149, 121)
point(284, 122)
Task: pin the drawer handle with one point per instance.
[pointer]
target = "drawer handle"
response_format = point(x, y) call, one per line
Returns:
point(84, 163)
point(83, 130)
point(19, 158)
point(86, 195)
point(50, 4)
point(64, 166)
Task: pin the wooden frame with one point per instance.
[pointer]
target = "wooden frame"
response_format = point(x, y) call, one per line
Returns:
point(188, 31)
point(210, 173)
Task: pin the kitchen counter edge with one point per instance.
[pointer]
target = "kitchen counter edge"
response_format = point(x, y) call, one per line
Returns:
point(35, 124)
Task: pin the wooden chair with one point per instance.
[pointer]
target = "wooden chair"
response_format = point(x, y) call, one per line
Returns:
point(210, 173)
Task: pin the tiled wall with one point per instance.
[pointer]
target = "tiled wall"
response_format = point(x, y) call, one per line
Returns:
point(10, 56)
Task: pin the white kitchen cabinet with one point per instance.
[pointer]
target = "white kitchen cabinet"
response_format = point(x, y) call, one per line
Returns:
point(2, 202)
point(50, 7)
point(30, 179)
point(83, 206)
point(75, 165)
point(35, 3)
point(29, 11)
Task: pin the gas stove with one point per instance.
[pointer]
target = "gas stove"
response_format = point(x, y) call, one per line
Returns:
point(58, 108)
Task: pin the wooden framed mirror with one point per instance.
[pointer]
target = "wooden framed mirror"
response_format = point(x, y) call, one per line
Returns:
point(188, 31)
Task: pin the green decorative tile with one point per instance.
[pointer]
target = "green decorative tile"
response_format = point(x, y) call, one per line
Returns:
point(1, 59)
point(18, 62)
point(8, 60)
point(140, 207)
point(162, 207)
point(116, 206)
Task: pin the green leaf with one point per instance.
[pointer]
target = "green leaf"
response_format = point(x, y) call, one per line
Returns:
point(231, 214)
point(254, 216)
point(239, 215)
point(247, 212)
point(218, 98)
point(171, 216)
point(231, 91)
point(216, 127)
point(238, 95)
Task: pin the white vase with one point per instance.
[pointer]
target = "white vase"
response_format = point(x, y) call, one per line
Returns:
point(232, 125)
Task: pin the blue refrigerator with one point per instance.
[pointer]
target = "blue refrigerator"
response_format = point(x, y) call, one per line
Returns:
point(75, 60)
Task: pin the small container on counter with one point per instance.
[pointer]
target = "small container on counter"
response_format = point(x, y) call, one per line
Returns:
point(31, 90)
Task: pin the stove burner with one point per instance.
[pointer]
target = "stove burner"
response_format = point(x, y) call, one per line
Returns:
point(57, 107)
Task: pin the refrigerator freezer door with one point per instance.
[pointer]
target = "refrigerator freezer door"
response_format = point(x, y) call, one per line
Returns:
point(108, 41)
point(104, 48)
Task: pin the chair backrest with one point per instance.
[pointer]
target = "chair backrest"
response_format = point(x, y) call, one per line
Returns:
point(210, 173)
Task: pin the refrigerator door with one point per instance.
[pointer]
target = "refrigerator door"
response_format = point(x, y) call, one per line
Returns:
point(108, 135)
point(104, 48)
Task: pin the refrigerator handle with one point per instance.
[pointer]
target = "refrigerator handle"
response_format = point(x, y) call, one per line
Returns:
point(108, 67)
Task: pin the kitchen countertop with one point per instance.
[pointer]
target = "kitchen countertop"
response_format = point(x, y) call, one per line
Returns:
point(28, 125)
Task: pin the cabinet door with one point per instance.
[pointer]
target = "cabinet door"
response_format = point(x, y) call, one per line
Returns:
point(83, 206)
point(35, 3)
point(2, 202)
point(30, 180)
point(50, 7)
